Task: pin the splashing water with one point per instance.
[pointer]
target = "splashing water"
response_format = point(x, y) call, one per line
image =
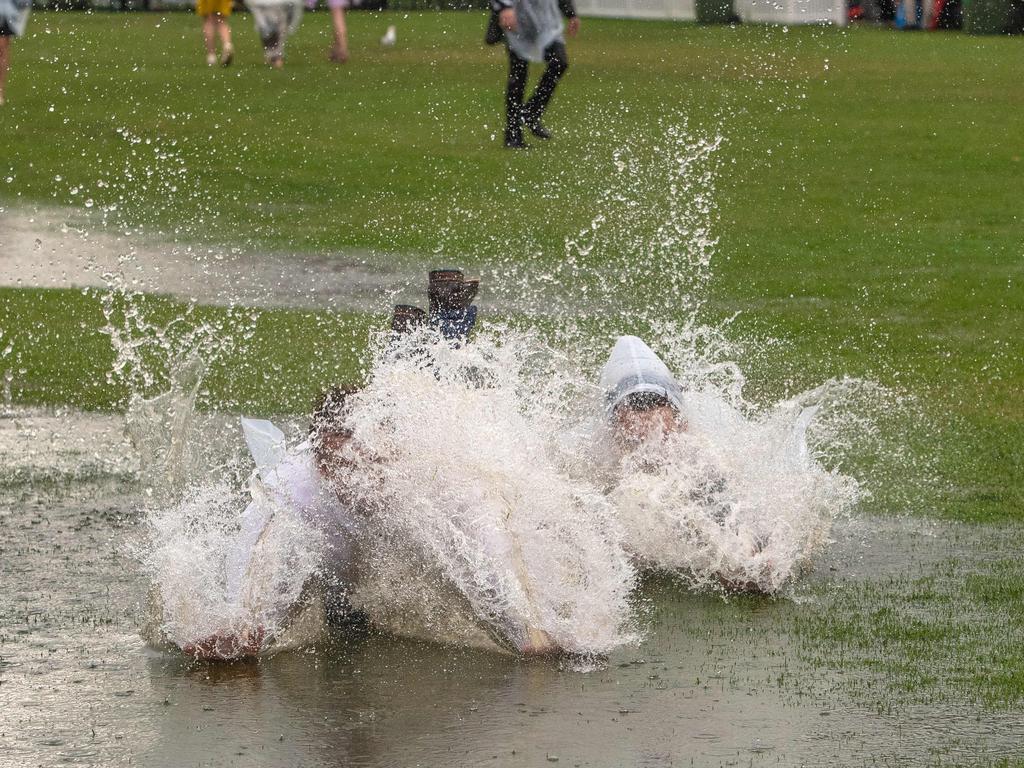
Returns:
point(732, 501)
point(188, 551)
point(496, 510)
point(456, 466)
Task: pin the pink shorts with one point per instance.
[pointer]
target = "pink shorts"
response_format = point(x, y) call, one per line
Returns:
point(343, 4)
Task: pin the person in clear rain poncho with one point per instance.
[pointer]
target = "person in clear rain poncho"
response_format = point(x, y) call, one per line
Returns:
point(275, 20)
point(532, 30)
point(646, 412)
point(13, 17)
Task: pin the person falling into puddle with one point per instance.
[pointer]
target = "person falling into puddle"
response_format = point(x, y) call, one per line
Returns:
point(645, 413)
point(309, 480)
point(299, 481)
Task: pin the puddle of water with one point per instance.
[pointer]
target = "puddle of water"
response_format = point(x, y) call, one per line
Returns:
point(54, 248)
point(713, 682)
point(58, 248)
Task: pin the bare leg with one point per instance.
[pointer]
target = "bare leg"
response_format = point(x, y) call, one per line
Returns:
point(5, 62)
point(210, 37)
point(227, 49)
point(340, 51)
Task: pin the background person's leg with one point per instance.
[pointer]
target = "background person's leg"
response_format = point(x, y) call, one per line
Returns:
point(210, 38)
point(268, 29)
point(927, 13)
point(227, 49)
point(558, 62)
point(340, 51)
point(910, 14)
point(5, 63)
point(517, 70)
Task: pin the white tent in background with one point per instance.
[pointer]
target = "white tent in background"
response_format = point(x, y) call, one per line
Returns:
point(750, 11)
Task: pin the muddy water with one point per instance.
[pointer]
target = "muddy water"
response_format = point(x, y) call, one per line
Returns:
point(713, 683)
point(46, 247)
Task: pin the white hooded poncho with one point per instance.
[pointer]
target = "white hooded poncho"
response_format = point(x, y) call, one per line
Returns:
point(634, 367)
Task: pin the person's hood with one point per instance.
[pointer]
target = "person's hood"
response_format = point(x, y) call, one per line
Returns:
point(634, 367)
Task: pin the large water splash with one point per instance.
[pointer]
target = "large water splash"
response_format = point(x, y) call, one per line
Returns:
point(453, 461)
point(188, 551)
point(497, 509)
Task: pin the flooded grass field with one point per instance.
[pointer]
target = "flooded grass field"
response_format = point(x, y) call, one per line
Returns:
point(843, 339)
point(901, 648)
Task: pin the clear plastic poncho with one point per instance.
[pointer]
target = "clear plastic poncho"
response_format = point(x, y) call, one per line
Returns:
point(14, 15)
point(539, 25)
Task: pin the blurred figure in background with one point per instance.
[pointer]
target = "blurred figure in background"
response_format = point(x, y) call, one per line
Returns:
point(532, 30)
point(275, 20)
point(915, 14)
point(214, 14)
point(13, 17)
point(338, 52)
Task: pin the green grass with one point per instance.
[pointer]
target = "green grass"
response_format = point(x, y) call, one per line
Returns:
point(866, 196)
point(64, 355)
point(866, 204)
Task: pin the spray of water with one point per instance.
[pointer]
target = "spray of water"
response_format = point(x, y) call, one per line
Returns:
point(495, 506)
point(190, 554)
point(453, 461)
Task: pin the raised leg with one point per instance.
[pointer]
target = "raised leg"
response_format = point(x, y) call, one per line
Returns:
point(558, 62)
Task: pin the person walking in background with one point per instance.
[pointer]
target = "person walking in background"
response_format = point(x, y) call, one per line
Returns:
point(214, 14)
point(532, 30)
point(13, 17)
point(275, 20)
point(338, 52)
point(916, 14)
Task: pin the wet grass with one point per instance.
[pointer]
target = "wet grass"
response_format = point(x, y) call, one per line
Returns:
point(865, 200)
point(65, 356)
point(947, 632)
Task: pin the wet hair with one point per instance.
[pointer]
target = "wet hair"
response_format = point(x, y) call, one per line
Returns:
point(329, 419)
point(644, 401)
point(329, 413)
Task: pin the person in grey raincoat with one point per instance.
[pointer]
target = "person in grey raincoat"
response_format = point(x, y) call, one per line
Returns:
point(532, 30)
point(275, 20)
point(13, 16)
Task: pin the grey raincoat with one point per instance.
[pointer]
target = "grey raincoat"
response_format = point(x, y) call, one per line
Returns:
point(539, 25)
point(13, 16)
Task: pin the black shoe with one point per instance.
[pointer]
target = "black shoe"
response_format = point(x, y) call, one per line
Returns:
point(537, 129)
point(515, 141)
point(406, 318)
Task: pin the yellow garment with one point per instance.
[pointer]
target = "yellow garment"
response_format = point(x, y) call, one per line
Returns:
point(208, 7)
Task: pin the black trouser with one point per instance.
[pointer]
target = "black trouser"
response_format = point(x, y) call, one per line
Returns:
point(515, 111)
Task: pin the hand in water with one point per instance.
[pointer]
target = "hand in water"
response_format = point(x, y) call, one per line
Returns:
point(507, 20)
point(227, 645)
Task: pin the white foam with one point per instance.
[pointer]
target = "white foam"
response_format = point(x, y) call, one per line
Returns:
point(188, 546)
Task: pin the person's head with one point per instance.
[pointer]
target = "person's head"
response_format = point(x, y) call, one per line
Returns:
point(329, 432)
point(643, 416)
point(641, 395)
